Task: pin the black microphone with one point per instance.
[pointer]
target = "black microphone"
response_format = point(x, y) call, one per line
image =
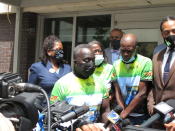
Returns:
point(74, 114)
point(150, 120)
point(117, 109)
point(28, 87)
point(162, 109)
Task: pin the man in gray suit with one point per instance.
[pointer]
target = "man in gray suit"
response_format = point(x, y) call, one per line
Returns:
point(164, 66)
point(112, 53)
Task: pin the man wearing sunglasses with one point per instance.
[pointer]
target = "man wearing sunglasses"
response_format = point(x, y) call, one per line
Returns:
point(134, 73)
point(112, 53)
point(164, 66)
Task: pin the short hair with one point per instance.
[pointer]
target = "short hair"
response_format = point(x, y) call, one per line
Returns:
point(78, 48)
point(167, 18)
point(117, 29)
point(95, 42)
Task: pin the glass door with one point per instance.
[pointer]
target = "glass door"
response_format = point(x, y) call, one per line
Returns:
point(93, 28)
point(87, 28)
point(62, 28)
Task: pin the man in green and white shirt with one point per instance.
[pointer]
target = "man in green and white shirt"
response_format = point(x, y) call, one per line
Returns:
point(134, 72)
point(79, 87)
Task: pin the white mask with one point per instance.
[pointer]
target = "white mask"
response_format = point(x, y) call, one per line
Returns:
point(98, 59)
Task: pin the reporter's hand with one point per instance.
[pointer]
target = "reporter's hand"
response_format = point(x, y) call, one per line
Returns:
point(123, 114)
point(170, 126)
point(91, 127)
point(5, 124)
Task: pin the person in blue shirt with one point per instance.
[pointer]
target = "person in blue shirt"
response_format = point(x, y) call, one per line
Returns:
point(51, 67)
point(112, 52)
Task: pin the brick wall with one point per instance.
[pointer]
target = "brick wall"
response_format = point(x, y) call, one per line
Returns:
point(28, 42)
point(7, 29)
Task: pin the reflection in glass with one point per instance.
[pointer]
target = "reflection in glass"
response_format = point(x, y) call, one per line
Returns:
point(93, 28)
point(146, 48)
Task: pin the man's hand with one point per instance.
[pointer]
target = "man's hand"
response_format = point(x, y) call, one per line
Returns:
point(170, 126)
point(123, 114)
point(92, 127)
point(5, 124)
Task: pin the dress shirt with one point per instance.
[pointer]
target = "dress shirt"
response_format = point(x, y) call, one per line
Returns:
point(165, 59)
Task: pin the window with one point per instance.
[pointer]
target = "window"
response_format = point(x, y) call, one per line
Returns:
point(93, 28)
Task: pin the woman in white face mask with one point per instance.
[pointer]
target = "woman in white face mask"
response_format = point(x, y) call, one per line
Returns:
point(104, 72)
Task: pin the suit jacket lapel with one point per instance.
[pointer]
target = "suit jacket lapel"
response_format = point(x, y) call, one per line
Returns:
point(171, 71)
point(159, 65)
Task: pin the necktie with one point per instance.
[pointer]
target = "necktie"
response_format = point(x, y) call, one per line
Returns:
point(167, 66)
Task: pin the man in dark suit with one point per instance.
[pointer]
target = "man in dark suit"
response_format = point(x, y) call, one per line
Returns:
point(164, 66)
point(112, 53)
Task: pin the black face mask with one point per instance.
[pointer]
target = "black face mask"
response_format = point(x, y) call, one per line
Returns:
point(84, 70)
point(115, 44)
point(59, 54)
point(170, 41)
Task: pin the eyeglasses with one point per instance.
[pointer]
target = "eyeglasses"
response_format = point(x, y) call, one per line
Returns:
point(115, 37)
point(127, 51)
point(56, 50)
point(99, 51)
point(167, 32)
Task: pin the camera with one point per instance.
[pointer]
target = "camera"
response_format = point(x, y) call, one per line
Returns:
point(7, 81)
point(17, 105)
point(62, 112)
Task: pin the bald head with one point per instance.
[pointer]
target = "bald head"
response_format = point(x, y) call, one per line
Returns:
point(129, 40)
point(128, 46)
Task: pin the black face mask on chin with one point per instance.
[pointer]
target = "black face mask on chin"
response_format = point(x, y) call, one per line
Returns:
point(115, 44)
point(84, 70)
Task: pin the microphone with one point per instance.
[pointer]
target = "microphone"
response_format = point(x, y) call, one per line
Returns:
point(170, 116)
point(28, 87)
point(163, 108)
point(74, 114)
point(119, 126)
point(113, 115)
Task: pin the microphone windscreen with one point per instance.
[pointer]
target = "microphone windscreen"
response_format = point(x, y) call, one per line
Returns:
point(118, 109)
point(126, 122)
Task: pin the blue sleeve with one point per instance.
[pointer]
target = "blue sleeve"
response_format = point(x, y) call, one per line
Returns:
point(68, 68)
point(33, 75)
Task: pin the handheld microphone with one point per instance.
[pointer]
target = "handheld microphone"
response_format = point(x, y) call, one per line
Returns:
point(163, 108)
point(74, 114)
point(113, 117)
point(169, 117)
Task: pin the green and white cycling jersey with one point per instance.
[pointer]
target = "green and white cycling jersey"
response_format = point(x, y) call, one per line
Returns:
point(130, 75)
point(105, 73)
point(79, 92)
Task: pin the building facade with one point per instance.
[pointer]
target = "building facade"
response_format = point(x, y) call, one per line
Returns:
point(74, 28)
